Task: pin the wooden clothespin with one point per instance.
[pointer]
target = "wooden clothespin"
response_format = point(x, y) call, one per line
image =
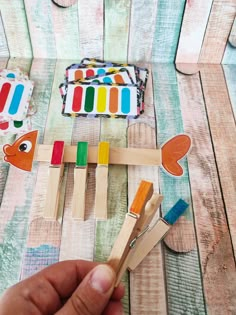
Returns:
point(80, 181)
point(150, 210)
point(55, 176)
point(139, 245)
point(156, 233)
point(100, 207)
point(131, 227)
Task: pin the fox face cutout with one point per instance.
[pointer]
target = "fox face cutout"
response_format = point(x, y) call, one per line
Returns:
point(21, 152)
point(173, 151)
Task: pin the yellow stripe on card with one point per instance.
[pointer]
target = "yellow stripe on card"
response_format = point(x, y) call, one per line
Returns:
point(103, 153)
point(101, 100)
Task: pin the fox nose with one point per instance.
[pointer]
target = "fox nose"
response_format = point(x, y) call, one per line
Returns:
point(8, 149)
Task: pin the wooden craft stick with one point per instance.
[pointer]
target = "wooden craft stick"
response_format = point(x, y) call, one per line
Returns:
point(80, 179)
point(54, 180)
point(100, 207)
point(151, 207)
point(121, 156)
point(131, 226)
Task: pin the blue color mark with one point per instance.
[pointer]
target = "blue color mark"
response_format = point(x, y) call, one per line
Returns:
point(11, 75)
point(101, 71)
point(176, 211)
point(107, 80)
point(125, 101)
point(15, 103)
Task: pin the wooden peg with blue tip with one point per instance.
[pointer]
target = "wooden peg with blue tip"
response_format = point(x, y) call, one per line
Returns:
point(100, 207)
point(54, 181)
point(80, 181)
point(156, 233)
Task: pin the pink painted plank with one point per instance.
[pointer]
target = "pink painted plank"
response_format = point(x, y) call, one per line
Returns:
point(217, 31)
point(223, 132)
point(214, 243)
point(192, 31)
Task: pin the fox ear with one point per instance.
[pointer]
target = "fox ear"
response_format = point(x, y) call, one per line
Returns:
point(173, 151)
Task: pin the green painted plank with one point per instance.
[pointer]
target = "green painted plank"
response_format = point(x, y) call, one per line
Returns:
point(167, 30)
point(116, 30)
point(40, 21)
point(44, 236)
point(16, 28)
point(4, 51)
point(91, 30)
point(16, 204)
point(142, 29)
point(229, 55)
point(66, 31)
point(230, 76)
point(183, 276)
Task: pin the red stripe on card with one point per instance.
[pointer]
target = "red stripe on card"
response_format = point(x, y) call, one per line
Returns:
point(57, 153)
point(3, 95)
point(77, 99)
point(4, 126)
point(89, 73)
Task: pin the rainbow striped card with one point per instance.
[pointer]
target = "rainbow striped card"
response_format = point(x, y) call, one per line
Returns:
point(103, 89)
point(99, 99)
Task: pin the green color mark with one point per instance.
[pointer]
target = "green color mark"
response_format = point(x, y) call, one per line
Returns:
point(82, 154)
point(89, 99)
point(18, 124)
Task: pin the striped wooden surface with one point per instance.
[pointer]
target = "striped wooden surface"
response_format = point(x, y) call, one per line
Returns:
point(180, 275)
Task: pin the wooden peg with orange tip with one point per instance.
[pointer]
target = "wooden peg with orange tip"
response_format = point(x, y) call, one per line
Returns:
point(54, 181)
point(131, 227)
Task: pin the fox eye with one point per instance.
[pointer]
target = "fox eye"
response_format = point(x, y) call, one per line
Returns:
point(25, 146)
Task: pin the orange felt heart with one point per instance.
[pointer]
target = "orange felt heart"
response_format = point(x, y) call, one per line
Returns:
point(173, 151)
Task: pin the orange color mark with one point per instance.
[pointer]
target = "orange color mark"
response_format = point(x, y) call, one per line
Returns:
point(78, 75)
point(119, 79)
point(113, 100)
point(173, 151)
point(143, 194)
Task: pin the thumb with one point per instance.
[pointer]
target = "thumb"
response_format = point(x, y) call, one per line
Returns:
point(93, 294)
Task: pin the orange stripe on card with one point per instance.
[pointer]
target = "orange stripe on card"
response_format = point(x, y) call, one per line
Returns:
point(119, 79)
point(113, 100)
point(78, 75)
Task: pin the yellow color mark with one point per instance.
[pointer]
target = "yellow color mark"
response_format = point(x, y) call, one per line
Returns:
point(103, 153)
point(101, 99)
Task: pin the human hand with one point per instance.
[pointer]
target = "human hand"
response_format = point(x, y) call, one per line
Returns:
point(66, 288)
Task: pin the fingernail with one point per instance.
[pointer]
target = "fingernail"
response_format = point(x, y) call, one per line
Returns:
point(102, 278)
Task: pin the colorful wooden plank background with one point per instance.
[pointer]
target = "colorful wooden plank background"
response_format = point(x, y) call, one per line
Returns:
point(193, 270)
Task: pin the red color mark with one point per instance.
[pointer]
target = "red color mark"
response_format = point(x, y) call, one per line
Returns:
point(57, 153)
point(77, 99)
point(3, 95)
point(4, 126)
point(89, 73)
